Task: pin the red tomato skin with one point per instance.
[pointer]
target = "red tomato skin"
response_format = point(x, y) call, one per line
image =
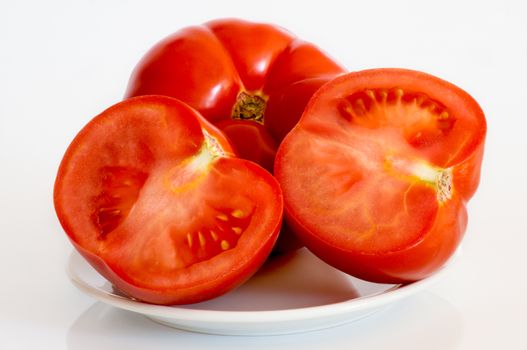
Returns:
point(253, 47)
point(193, 66)
point(435, 246)
point(467, 174)
point(253, 140)
point(287, 104)
point(207, 66)
point(299, 61)
point(242, 266)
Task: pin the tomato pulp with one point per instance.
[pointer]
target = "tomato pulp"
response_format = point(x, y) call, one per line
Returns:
point(377, 172)
point(151, 195)
point(252, 80)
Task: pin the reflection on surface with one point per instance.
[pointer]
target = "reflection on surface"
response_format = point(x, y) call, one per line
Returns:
point(290, 281)
point(424, 321)
point(295, 280)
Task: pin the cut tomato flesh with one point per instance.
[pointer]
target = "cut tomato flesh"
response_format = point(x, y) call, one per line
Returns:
point(442, 124)
point(120, 190)
point(194, 222)
point(355, 192)
point(152, 196)
point(377, 160)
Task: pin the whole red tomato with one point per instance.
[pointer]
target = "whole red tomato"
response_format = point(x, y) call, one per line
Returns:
point(251, 80)
point(377, 172)
point(151, 195)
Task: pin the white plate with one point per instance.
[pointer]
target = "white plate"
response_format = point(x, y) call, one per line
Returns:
point(294, 293)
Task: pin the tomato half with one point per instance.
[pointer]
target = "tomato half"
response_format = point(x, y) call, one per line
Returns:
point(377, 172)
point(252, 80)
point(151, 195)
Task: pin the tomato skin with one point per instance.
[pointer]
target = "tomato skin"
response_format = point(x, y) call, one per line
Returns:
point(211, 90)
point(161, 247)
point(253, 47)
point(467, 173)
point(295, 97)
point(408, 236)
point(207, 67)
point(253, 140)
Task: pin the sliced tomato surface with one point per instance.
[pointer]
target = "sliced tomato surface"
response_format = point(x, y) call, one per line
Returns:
point(152, 195)
point(376, 173)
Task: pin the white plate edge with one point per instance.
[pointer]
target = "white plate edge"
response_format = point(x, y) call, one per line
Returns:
point(314, 312)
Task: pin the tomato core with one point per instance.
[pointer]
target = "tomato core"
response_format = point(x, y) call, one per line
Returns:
point(416, 170)
point(249, 107)
point(213, 145)
point(187, 175)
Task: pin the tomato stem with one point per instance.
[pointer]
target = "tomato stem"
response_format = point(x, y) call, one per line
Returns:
point(249, 107)
point(444, 186)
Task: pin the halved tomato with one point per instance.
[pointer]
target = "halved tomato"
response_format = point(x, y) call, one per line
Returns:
point(151, 195)
point(252, 80)
point(377, 172)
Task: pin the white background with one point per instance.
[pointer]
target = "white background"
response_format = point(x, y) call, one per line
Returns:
point(61, 63)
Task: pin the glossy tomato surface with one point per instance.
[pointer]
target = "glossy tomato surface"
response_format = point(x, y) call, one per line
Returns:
point(252, 80)
point(151, 195)
point(377, 172)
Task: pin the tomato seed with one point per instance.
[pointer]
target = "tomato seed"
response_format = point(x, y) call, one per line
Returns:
point(237, 213)
point(222, 217)
point(214, 235)
point(201, 239)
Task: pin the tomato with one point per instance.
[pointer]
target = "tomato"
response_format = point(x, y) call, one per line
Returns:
point(252, 80)
point(377, 173)
point(152, 196)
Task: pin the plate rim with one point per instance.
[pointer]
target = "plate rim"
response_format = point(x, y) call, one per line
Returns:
point(175, 312)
